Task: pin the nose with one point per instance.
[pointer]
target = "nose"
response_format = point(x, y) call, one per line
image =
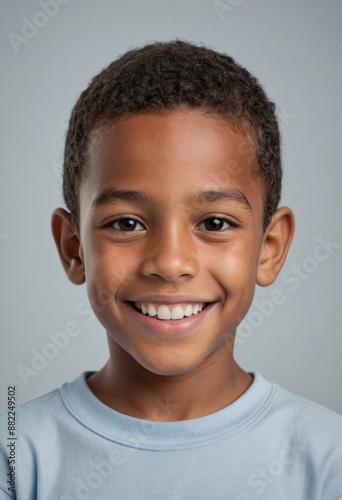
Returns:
point(170, 256)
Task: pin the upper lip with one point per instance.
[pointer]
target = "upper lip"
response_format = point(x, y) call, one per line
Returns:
point(170, 299)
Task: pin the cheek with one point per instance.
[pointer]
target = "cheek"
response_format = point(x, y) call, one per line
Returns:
point(101, 292)
point(236, 272)
point(105, 261)
point(238, 259)
point(107, 272)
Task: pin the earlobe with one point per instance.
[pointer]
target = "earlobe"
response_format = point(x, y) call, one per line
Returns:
point(275, 245)
point(68, 245)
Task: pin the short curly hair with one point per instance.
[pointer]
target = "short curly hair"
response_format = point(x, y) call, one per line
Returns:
point(166, 76)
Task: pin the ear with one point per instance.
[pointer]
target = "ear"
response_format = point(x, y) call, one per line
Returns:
point(275, 245)
point(68, 245)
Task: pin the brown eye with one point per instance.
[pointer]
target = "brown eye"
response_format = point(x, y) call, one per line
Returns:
point(214, 224)
point(126, 224)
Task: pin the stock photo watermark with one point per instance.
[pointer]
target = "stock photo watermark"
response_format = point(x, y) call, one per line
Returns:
point(292, 278)
point(40, 359)
point(222, 7)
point(57, 168)
point(267, 474)
point(31, 27)
point(284, 118)
point(59, 341)
point(87, 485)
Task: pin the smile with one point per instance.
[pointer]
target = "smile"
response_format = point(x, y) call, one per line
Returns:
point(159, 318)
point(168, 312)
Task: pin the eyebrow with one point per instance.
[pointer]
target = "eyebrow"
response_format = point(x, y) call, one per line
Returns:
point(110, 196)
point(228, 194)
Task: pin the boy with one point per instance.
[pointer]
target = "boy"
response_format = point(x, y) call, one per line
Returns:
point(172, 178)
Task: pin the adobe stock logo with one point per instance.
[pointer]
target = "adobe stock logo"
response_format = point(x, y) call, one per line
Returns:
point(221, 7)
point(266, 476)
point(40, 359)
point(60, 340)
point(30, 27)
point(293, 278)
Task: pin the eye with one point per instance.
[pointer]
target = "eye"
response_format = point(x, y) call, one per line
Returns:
point(215, 224)
point(125, 224)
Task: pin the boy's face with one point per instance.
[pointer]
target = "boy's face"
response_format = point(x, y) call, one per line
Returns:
point(171, 215)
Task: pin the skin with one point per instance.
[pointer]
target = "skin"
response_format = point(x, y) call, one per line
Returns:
point(172, 254)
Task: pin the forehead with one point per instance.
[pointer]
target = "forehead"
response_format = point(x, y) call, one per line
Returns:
point(171, 152)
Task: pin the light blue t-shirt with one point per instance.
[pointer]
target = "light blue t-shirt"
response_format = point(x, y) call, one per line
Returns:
point(268, 444)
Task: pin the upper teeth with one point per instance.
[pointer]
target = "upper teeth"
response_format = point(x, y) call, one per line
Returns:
point(176, 311)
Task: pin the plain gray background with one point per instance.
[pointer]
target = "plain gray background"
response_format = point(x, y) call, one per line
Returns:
point(48, 58)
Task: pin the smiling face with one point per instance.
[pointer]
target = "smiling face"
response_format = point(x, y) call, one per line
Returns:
point(171, 226)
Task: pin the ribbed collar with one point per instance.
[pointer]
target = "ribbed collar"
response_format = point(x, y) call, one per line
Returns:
point(145, 434)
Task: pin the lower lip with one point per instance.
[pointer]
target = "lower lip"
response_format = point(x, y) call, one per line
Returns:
point(169, 327)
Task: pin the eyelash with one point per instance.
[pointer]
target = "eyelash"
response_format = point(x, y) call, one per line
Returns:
point(224, 220)
point(112, 222)
point(231, 224)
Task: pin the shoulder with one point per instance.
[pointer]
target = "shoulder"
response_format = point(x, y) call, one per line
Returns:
point(34, 405)
point(310, 423)
point(31, 425)
point(45, 429)
point(307, 425)
point(305, 438)
point(36, 416)
point(39, 416)
point(293, 410)
point(308, 415)
point(315, 432)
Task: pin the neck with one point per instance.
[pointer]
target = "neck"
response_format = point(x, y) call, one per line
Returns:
point(127, 387)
